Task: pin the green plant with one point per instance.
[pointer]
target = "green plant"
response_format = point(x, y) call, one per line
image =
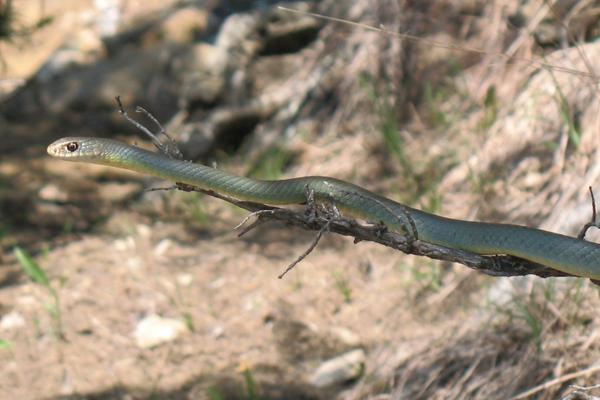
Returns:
point(9, 28)
point(536, 309)
point(251, 389)
point(429, 275)
point(194, 208)
point(214, 394)
point(343, 285)
point(5, 344)
point(189, 321)
point(490, 109)
point(434, 201)
point(433, 98)
point(271, 163)
point(7, 20)
point(532, 314)
point(4, 229)
point(179, 302)
point(387, 123)
point(481, 183)
point(420, 177)
point(33, 270)
point(567, 115)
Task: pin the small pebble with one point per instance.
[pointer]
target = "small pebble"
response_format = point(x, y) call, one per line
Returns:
point(154, 330)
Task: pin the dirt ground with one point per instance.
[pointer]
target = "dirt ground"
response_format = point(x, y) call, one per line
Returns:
point(117, 253)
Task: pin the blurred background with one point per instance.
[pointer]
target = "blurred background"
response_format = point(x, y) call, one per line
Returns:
point(111, 291)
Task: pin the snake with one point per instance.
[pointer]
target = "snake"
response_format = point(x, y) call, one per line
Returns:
point(564, 253)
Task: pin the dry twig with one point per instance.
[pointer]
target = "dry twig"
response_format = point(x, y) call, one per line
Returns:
point(593, 222)
point(435, 43)
point(309, 250)
point(558, 381)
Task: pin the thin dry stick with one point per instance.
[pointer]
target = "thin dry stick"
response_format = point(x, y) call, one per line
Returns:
point(259, 221)
point(170, 149)
point(557, 381)
point(140, 109)
point(577, 387)
point(312, 246)
point(252, 214)
point(253, 225)
point(582, 54)
point(448, 46)
point(527, 31)
point(593, 222)
point(141, 127)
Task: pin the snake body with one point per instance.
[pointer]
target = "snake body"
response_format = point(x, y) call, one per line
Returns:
point(564, 253)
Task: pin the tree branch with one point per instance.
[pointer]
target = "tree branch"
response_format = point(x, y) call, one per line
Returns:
point(502, 265)
point(321, 221)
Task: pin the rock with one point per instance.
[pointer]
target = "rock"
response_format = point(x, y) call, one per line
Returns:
point(83, 48)
point(184, 25)
point(70, 82)
point(143, 230)
point(225, 128)
point(108, 16)
point(120, 223)
point(154, 330)
point(114, 192)
point(202, 72)
point(12, 320)
point(217, 332)
point(340, 369)
point(184, 280)
point(58, 63)
point(59, 215)
point(239, 32)
point(231, 125)
point(51, 192)
point(285, 32)
point(8, 86)
point(345, 337)
point(162, 247)
point(298, 341)
point(197, 138)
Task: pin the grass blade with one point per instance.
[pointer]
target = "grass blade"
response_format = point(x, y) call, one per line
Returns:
point(31, 268)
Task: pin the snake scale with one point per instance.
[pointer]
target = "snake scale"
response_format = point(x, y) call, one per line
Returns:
point(563, 253)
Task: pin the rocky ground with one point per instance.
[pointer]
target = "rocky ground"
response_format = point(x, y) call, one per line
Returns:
point(155, 296)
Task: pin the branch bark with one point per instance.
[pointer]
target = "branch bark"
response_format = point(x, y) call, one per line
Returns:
point(496, 265)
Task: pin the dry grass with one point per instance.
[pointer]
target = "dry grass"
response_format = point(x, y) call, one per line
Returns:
point(467, 134)
point(530, 161)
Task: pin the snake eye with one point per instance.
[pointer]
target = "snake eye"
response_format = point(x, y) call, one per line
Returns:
point(72, 146)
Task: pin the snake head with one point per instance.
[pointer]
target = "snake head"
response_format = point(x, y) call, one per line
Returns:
point(76, 148)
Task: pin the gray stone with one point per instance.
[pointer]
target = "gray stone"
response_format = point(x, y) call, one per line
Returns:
point(340, 369)
point(154, 330)
point(184, 25)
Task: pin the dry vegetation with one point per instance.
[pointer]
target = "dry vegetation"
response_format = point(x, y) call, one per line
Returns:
point(468, 134)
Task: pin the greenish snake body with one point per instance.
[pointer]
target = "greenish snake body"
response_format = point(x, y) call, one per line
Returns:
point(563, 253)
